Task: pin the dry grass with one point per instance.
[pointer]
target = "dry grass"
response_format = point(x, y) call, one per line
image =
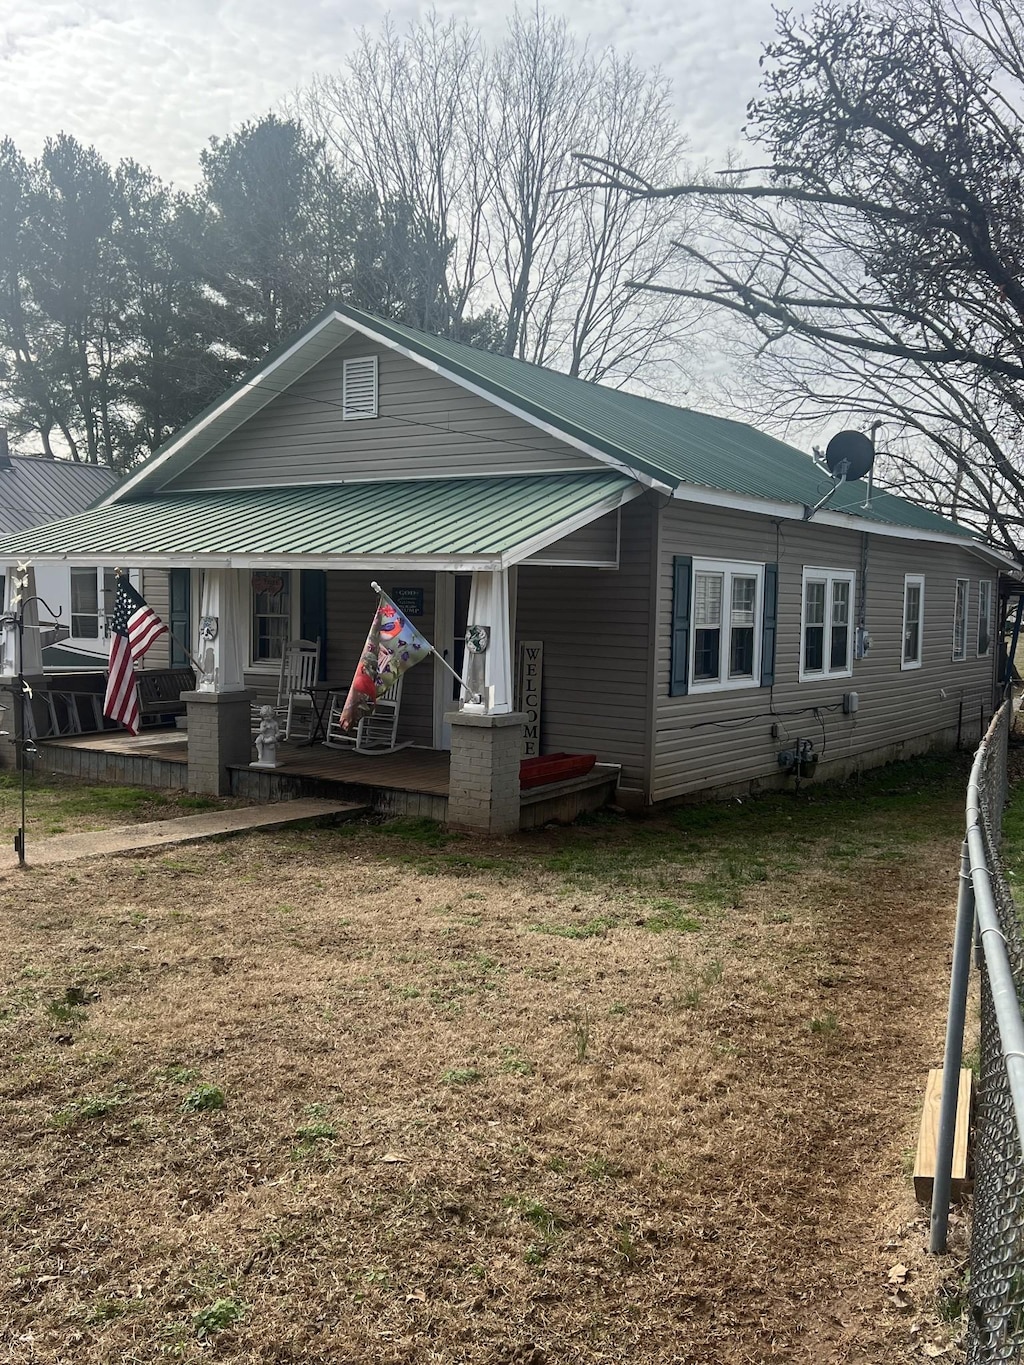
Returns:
point(627, 1092)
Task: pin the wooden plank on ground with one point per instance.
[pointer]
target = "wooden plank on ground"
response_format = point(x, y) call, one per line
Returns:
point(927, 1143)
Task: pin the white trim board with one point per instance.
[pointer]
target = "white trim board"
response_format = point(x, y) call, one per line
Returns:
point(144, 474)
point(793, 511)
point(349, 327)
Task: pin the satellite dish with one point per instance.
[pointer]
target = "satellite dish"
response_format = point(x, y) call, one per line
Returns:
point(853, 449)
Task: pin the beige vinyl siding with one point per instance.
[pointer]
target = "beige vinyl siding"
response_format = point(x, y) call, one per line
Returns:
point(595, 625)
point(155, 586)
point(428, 427)
point(597, 542)
point(708, 740)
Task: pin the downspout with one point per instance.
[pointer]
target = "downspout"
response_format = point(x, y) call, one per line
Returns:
point(655, 541)
point(860, 646)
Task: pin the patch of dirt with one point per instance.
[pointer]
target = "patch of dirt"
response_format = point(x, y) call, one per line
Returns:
point(475, 1110)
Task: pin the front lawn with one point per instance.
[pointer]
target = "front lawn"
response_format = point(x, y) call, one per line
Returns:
point(635, 1091)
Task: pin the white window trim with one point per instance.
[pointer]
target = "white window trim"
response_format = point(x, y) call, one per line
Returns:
point(829, 576)
point(986, 583)
point(909, 580)
point(358, 414)
point(272, 666)
point(959, 658)
point(99, 640)
point(727, 567)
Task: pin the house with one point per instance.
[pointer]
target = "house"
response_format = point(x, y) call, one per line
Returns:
point(698, 628)
point(35, 490)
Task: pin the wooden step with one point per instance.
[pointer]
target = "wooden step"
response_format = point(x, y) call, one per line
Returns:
point(927, 1143)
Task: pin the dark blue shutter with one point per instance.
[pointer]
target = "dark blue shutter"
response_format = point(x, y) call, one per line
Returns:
point(771, 614)
point(682, 578)
point(178, 619)
point(313, 609)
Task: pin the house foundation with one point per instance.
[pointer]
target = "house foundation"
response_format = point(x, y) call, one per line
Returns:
point(219, 735)
point(483, 791)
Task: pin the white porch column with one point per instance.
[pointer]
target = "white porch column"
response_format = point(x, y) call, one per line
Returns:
point(489, 606)
point(219, 728)
point(222, 619)
point(19, 587)
point(9, 631)
point(483, 788)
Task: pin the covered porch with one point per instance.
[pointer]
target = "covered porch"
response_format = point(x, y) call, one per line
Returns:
point(257, 568)
point(411, 782)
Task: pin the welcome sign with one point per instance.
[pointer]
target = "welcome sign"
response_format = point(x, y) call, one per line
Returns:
point(528, 693)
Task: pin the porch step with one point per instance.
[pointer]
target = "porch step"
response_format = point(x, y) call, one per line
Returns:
point(66, 848)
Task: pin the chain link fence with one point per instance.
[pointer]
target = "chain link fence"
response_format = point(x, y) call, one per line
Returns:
point(995, 1330)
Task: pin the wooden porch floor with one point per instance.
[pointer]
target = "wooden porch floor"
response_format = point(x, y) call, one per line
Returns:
point(411, 770)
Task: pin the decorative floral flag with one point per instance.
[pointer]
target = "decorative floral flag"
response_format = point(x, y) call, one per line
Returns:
point(392, 646)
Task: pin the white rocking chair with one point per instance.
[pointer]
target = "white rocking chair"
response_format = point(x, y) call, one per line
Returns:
point(293, 709)
point(375, 733)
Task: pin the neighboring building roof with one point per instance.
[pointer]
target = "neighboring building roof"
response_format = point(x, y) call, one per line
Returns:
point(676, 448)
point(483, 523)
point(34, 490)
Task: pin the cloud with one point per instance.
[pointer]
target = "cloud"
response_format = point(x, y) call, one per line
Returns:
point(153, 81)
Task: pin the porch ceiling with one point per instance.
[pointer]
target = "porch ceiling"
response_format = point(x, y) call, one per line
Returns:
point(484, 523)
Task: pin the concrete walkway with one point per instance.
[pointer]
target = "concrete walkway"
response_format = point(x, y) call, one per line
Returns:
point(68, 848)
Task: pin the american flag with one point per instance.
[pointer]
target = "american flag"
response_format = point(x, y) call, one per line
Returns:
point(134, 626)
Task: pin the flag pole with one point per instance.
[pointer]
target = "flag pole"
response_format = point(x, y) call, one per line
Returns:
point(439, 657)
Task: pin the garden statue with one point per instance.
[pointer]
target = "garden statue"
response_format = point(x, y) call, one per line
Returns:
point(266, 739)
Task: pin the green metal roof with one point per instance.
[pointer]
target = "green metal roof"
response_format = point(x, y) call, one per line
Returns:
point(675, 447)
point(667, 443)
point(468, 519)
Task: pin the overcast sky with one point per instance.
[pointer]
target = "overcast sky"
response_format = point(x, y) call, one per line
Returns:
point(155, 79)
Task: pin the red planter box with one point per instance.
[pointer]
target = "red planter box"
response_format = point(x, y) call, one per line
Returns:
point(538, 772)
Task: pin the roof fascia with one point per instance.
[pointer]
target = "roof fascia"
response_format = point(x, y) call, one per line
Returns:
point(549, 428)
point(881, 528)
point(178, 560)
point(244, 388)
point(793, 511)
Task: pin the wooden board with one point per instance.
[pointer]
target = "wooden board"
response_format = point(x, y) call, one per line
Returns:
point(927, 1143)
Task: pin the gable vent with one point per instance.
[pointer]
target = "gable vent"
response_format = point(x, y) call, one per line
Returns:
point(359, 388)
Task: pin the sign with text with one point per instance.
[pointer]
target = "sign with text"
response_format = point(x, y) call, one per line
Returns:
point(409, 601)
point(528, 693)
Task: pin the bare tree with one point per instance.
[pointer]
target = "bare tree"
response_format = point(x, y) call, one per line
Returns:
point(875, 254)
point(409, 120)
point(480, 143)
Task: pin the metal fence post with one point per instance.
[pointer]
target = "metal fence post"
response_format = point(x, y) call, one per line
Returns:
point(962, 940)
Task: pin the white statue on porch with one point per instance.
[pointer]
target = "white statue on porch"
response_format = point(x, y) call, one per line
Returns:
point(266, 739)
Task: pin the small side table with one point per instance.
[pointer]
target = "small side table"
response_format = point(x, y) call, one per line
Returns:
point(321, 696)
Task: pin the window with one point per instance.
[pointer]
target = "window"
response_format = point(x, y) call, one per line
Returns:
point(359, 388)
point(727, 607)
point(271, 614)
point(960, 619)
point(984, 617)
point(85, 604)
point(827, 632)
point(913, 619)
point(724, 618)
point(89, 613)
